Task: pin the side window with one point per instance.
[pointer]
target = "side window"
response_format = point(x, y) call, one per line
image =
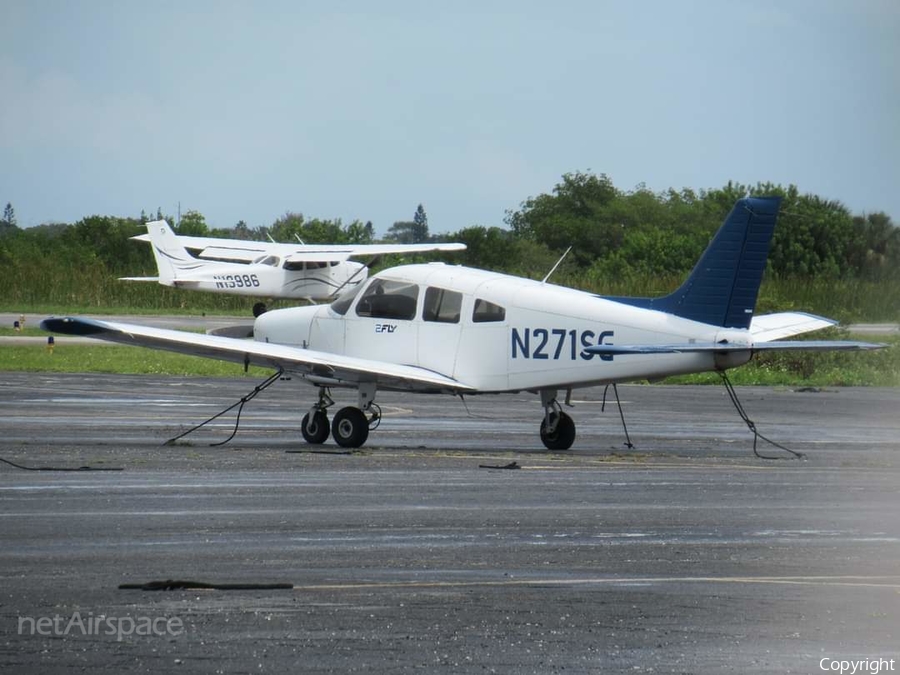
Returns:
point(486, 312)
point(441, 305)
point(385, 299)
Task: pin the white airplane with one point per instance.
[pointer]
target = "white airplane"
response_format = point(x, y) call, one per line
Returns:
point(439, 328)
point(304, 271)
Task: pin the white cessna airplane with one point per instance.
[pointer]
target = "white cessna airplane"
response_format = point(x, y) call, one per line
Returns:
point(439, 328)
point(267, 269)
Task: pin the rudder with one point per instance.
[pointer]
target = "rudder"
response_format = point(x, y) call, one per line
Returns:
point(172, 259)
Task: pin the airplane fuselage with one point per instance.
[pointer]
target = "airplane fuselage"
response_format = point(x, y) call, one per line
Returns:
point(495, 332)
point(306, 280)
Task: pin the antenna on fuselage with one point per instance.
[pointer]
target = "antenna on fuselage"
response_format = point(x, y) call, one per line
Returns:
point(563, 257)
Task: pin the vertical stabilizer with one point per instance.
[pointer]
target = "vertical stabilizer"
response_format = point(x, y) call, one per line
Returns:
point(172, 259)
point(723, 287)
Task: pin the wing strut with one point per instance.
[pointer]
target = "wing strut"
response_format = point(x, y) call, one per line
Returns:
point(367, 266)
point(265, 384)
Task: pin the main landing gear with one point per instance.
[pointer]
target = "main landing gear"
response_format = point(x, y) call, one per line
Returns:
point(350, 426)
point(557, 428)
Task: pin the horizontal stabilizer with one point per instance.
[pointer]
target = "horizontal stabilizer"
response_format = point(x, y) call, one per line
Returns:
point(786, 324)
point(155, 279)
point(689, 347)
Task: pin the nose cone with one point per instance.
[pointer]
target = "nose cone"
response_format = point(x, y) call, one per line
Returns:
point(285, 326)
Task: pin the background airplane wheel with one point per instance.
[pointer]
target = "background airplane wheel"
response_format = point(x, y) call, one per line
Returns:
point(259, 308)
point(317, 432)
point(350, 427)
point(563, 437)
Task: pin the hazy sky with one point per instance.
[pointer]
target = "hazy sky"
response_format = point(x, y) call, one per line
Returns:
point(246, 110)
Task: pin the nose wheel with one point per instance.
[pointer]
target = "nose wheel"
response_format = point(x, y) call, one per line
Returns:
point(315, 428)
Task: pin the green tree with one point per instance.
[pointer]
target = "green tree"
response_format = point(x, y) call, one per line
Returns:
point(9, 215)
point(193, 224)
point(104, 240)
point(413, 231)
point(875, 248)
point(421, 221)
point(576, 214)
point(359, 233)
point(241, 230)
point(286, 228)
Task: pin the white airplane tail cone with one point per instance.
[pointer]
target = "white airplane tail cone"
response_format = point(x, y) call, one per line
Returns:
point(172, 259)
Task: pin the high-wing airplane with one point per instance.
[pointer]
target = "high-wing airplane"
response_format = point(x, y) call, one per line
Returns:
point(267, 269)
point(439, 328)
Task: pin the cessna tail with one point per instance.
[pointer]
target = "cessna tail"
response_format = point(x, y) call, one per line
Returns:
point(438, 328)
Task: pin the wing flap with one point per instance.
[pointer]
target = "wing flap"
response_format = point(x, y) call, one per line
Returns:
point(303, 362)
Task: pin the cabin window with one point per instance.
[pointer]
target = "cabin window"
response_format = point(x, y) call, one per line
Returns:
point(270, 260)
point(385, 299)
point(299, 265)
point(486, 312)
point(441, 305)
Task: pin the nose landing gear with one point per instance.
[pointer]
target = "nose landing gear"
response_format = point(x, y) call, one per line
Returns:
point(315, 423)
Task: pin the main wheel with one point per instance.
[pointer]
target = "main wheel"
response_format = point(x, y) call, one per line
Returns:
point(564, 434)
point(259, 309)
point(350, 427)
point(315, 432)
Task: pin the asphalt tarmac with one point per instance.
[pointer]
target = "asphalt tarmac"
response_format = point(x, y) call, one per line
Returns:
point(683, 554)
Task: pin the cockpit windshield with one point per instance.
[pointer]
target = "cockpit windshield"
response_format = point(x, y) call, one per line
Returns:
point(345, 299)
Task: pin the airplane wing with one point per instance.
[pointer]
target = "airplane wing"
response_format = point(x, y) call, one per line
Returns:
point(315, 365)
point(239, 250)
point(225, 248)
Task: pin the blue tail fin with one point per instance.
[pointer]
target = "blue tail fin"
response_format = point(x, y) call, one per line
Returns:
point(723, 287)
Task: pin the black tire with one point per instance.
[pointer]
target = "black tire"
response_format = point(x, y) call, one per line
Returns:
point(259, 309)
point(317, 432)
point(350, 428)
point(564, 435)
